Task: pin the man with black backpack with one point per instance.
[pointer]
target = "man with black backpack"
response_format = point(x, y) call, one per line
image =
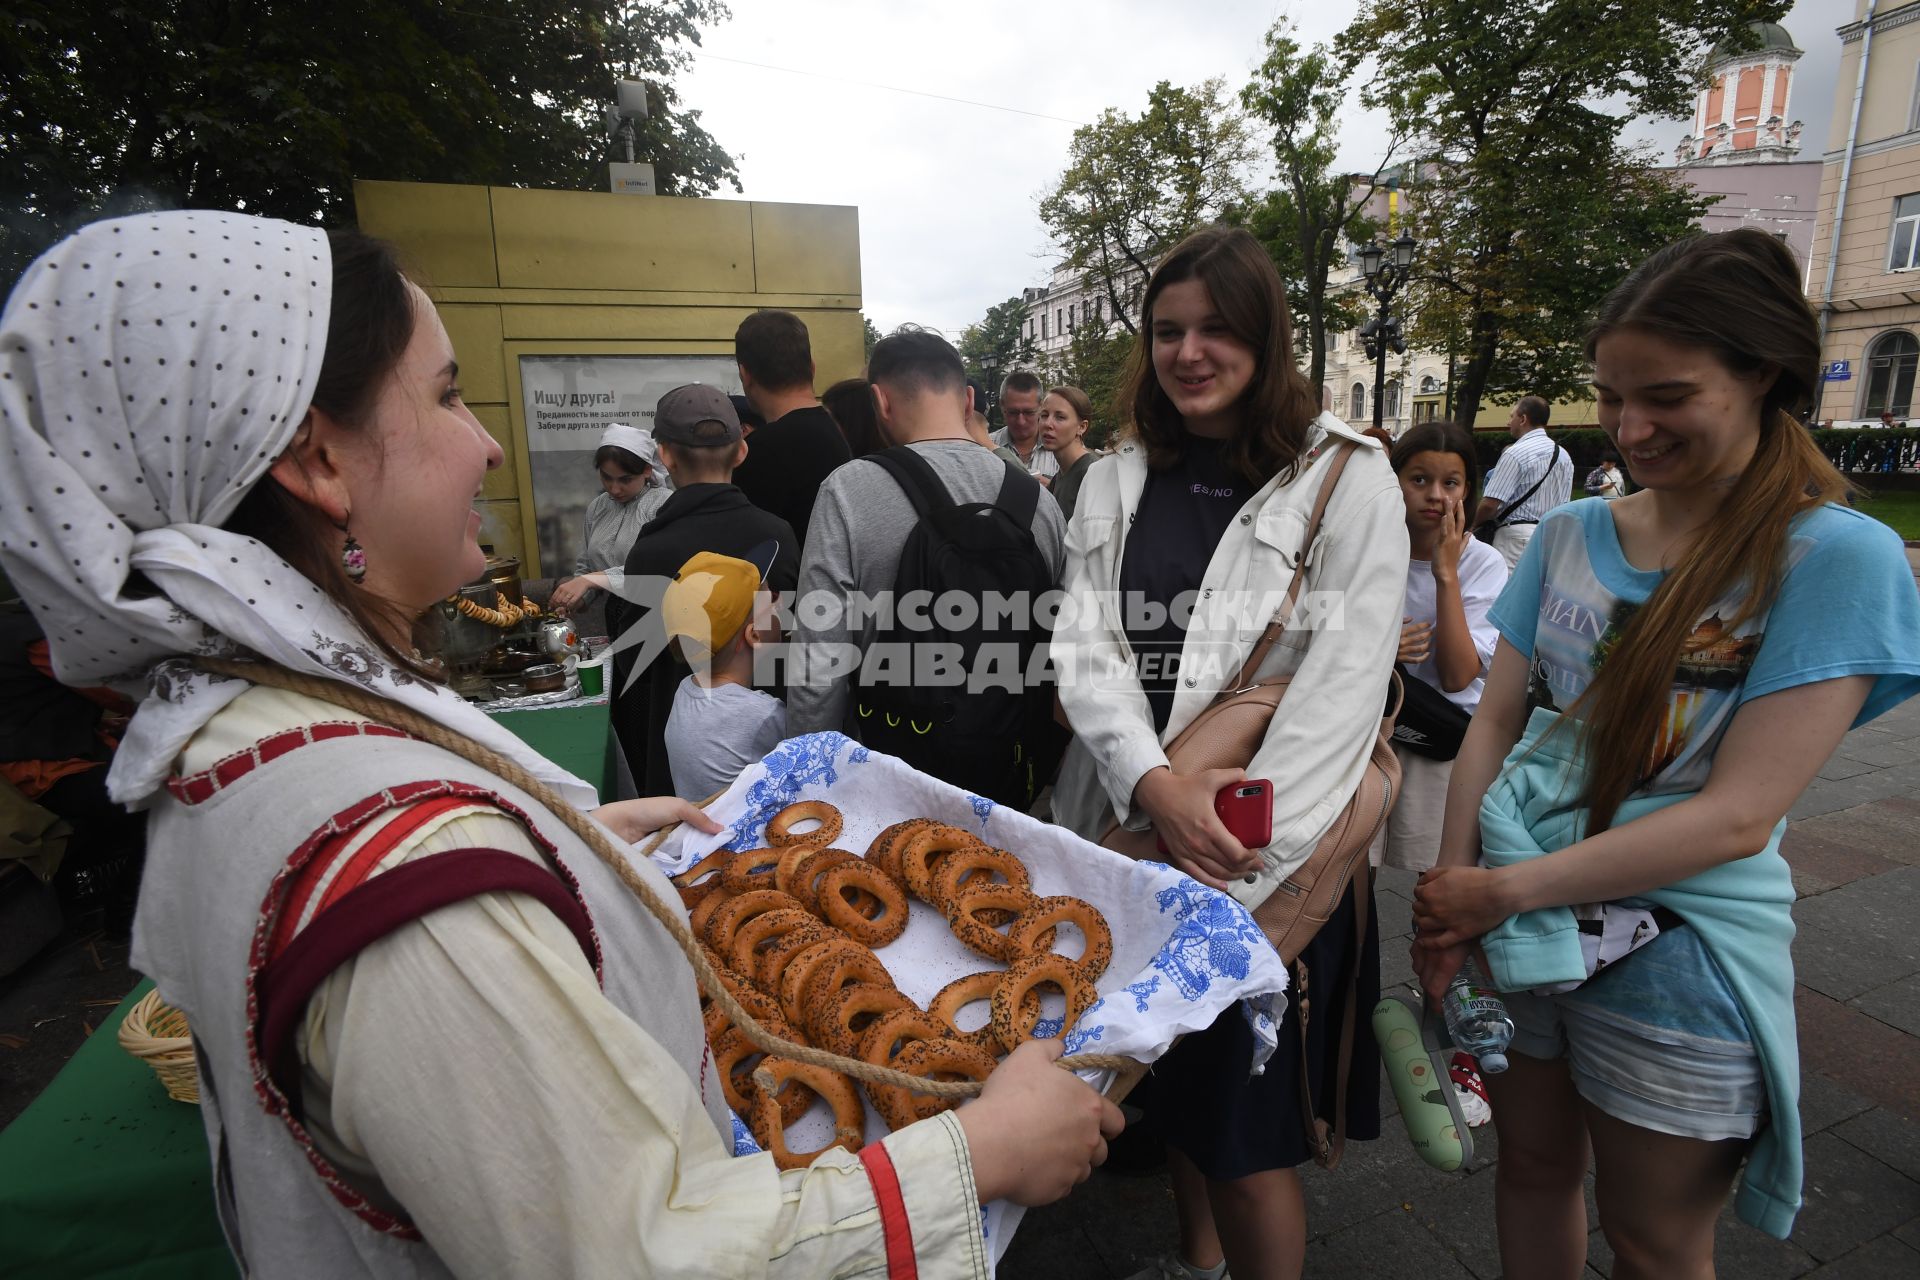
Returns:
point(919, 622)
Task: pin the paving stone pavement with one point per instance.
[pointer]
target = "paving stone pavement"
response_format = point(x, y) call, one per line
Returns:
point(1853, 842)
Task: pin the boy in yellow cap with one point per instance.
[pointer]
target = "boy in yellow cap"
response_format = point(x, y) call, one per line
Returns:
point(716, 612)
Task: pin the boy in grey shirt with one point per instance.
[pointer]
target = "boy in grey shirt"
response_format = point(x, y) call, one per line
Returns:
point(715, 611)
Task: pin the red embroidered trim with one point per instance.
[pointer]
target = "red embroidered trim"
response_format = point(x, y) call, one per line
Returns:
point(893, 1212)
point(375, 910)
point(198, 788)
point(344, 823)
point(363, 860)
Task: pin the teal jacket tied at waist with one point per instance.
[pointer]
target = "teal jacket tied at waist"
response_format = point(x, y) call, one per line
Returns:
point(1742, 910)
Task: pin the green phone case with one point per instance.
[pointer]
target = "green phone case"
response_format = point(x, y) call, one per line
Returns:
point(1416, 1056)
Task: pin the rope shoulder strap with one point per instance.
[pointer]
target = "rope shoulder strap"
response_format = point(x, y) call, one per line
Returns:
point(412, 722)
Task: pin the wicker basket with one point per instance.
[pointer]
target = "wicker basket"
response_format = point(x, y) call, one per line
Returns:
point(156, 1033)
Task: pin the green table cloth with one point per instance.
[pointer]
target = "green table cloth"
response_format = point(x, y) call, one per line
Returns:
point(576, 735)
point(105, 1175)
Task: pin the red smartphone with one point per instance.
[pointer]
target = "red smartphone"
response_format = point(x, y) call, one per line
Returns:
point(1246, 810)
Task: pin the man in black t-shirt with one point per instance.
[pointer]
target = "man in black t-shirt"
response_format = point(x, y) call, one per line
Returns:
point(801, 444)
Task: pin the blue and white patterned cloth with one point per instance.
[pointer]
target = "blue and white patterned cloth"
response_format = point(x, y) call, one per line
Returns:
point(1182, 953)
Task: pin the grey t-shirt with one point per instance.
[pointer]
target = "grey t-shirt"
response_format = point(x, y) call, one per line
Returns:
point(712, 734)
point(860, 525)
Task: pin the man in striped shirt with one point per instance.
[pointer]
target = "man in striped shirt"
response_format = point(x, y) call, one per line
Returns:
point(1534, 475)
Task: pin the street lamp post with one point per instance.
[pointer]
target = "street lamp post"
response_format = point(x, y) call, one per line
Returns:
point(990, 365)
point(1386, 268)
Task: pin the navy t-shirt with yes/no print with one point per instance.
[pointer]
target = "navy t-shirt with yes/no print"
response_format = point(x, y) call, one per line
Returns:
point(1184, 511)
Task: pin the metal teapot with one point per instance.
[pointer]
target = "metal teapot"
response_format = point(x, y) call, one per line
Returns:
point(557, 639)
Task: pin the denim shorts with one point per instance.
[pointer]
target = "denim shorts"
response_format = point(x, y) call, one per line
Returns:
point(1657, 1040)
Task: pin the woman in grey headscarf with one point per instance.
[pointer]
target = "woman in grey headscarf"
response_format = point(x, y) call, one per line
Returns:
point(633, 488)
point(436, 1034)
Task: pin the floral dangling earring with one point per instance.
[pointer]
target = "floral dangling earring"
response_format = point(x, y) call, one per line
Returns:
point(353, 557)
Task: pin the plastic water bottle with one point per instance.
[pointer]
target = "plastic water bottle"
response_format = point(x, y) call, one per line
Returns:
point(1477, 1018)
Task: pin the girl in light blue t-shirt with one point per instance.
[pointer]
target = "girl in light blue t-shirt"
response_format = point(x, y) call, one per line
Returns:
point(1673, 668)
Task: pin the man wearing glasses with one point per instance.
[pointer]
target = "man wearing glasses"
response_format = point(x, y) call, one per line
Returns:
point(1020, 406)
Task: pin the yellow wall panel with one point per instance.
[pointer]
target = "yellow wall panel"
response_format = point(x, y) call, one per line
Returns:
point(500, 528)
point(806, 248)
point(673, 324)
point(591, 240)
point(503, 482)
point(445, 232)
point(519, 272)
point(475, 332)
point(839, 345)
point(651, 298)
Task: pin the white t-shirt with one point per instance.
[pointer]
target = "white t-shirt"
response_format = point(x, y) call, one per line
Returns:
point(1483, 574)
point(712, 734)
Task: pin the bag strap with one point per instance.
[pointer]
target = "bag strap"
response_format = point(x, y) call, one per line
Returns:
point(917, 480)
point(1553, 460)
point(1328, 1138)
point(1019, 494)
point(1336, 464)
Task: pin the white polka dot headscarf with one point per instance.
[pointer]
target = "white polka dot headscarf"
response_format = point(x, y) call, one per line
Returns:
point(151, 370)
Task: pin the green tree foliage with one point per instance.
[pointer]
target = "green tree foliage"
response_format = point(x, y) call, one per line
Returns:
point(1307, 221)
point(274, 107)
point(1527, 205)
point(1134, 185)
point(869, 335)
point(1095, 360)
point(996, 346)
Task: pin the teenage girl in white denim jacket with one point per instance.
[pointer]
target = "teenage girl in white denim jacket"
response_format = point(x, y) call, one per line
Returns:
point(1206, 503)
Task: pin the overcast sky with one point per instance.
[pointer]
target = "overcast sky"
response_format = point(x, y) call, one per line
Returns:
point(947, 192)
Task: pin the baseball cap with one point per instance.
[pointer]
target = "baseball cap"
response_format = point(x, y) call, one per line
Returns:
point(696, 414)
point(711, 598)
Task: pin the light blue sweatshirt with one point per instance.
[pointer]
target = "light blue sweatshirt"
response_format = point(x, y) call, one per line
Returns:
point(1741, 910)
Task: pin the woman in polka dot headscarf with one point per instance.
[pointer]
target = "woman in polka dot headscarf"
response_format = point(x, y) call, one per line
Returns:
point(435, 1033)
point(154, 371)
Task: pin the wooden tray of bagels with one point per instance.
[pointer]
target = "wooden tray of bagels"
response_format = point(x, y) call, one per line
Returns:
point(855, 904)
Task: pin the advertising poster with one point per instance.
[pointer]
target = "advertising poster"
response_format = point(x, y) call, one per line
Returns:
point(568, 402)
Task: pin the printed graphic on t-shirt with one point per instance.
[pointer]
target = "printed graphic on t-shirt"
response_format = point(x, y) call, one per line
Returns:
point(1581, 623)
point(1846, 606)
